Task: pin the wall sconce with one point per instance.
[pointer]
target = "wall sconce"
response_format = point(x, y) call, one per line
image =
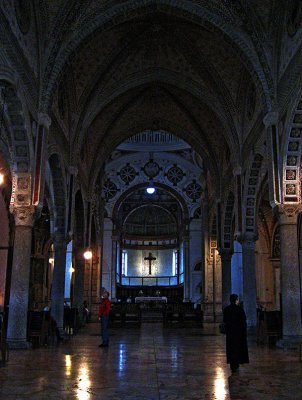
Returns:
point(88, 255)
point(1, 178)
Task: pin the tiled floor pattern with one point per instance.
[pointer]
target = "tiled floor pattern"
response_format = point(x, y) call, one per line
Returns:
point(149, 363)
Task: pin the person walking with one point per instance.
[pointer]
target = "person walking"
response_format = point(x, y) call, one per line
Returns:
point(104, 311)
point(234, 319)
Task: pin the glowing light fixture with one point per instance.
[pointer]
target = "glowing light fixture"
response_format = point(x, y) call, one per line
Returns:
point(71, 270)
point(150, 190)
point(1, 178)
point(88, 255)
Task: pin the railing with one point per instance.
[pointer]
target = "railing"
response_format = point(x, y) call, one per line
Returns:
point(149, 281)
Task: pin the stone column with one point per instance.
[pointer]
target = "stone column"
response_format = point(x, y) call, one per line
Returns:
point(187, 272)
point(58, 281)
point(249, 278)
point(226, 272)
point(18, 302)
point(290, 272)
point(44, 122)
point(271, 123)
point(78, 297)
point(113, 267)
point(107, 254)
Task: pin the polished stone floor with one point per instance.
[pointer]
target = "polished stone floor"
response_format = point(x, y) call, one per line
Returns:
point(149, 363)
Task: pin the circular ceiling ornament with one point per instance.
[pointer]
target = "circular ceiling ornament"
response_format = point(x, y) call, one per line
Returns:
point(175, 175)
point(23, 15)
point(109, 189)
point(151, 169)
point(127, 174)
point(193, 191)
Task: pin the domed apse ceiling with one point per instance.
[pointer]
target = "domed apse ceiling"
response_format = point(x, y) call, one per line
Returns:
point(171, 166)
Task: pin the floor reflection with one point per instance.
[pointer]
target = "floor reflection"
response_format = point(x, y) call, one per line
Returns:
point(67, 365)
point(149, 363)
point(84, 384)
point(220, 384)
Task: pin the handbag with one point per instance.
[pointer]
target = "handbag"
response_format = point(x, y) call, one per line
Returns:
point(222, 328)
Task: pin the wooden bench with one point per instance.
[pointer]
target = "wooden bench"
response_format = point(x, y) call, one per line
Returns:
point(3, 344)
point(173, 314)
point(269, 327)
point(117, 314)
point(37, 328)
point(131, 314)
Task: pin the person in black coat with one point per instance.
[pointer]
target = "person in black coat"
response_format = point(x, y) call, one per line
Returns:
point(234, 319)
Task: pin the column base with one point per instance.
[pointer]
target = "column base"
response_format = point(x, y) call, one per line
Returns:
point(18, 344)
point(289, 342)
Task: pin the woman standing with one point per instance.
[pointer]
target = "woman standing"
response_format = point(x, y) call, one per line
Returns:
point(235, 325)
point(104, 318)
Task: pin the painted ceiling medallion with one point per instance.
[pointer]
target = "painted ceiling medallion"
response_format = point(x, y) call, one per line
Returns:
point(127, 174)
point(193, 191)
point(175, 175)
point(23, 15)
point(151, 169)
point(109, 189)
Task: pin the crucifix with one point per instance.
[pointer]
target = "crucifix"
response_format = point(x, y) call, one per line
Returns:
point(150, 259)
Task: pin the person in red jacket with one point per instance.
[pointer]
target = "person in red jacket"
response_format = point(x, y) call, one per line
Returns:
point(104, 318)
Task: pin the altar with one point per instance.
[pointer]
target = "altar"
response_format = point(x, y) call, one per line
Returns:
point(147, 299)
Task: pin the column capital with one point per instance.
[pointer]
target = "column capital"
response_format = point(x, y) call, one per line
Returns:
point(288, 213)
point(59, 239)
point(24, 216)
point(248, 239)
point(44, 119)
point(271, 118)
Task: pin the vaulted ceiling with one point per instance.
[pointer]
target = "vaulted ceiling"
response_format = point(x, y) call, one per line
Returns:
point(206, 71)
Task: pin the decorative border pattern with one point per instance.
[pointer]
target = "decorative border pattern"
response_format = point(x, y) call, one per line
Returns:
point(251, 193)
point(291, 173)
point(227, 226)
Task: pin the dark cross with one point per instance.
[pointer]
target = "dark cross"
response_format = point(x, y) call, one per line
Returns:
point(150, 259)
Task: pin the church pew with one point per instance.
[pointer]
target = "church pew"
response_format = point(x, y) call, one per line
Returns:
point(132, 314)
point(192, 315)
point(117, 314)
point(269, 327)
point(3, 344)
point(37, 328)
point(173, 314)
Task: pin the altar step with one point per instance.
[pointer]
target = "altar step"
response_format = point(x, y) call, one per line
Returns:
point(152, 316)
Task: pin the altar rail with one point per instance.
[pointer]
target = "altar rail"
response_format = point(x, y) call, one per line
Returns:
point(149, 281)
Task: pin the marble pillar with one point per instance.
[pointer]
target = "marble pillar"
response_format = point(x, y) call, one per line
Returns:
point(78, 296)
point(290, 272)
point(187, 272)
point(271, 121)
point(58, 281)
point(226, 276)
point(249, 279)
point(106, 255)
point(114, 265)
point(18, 302)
